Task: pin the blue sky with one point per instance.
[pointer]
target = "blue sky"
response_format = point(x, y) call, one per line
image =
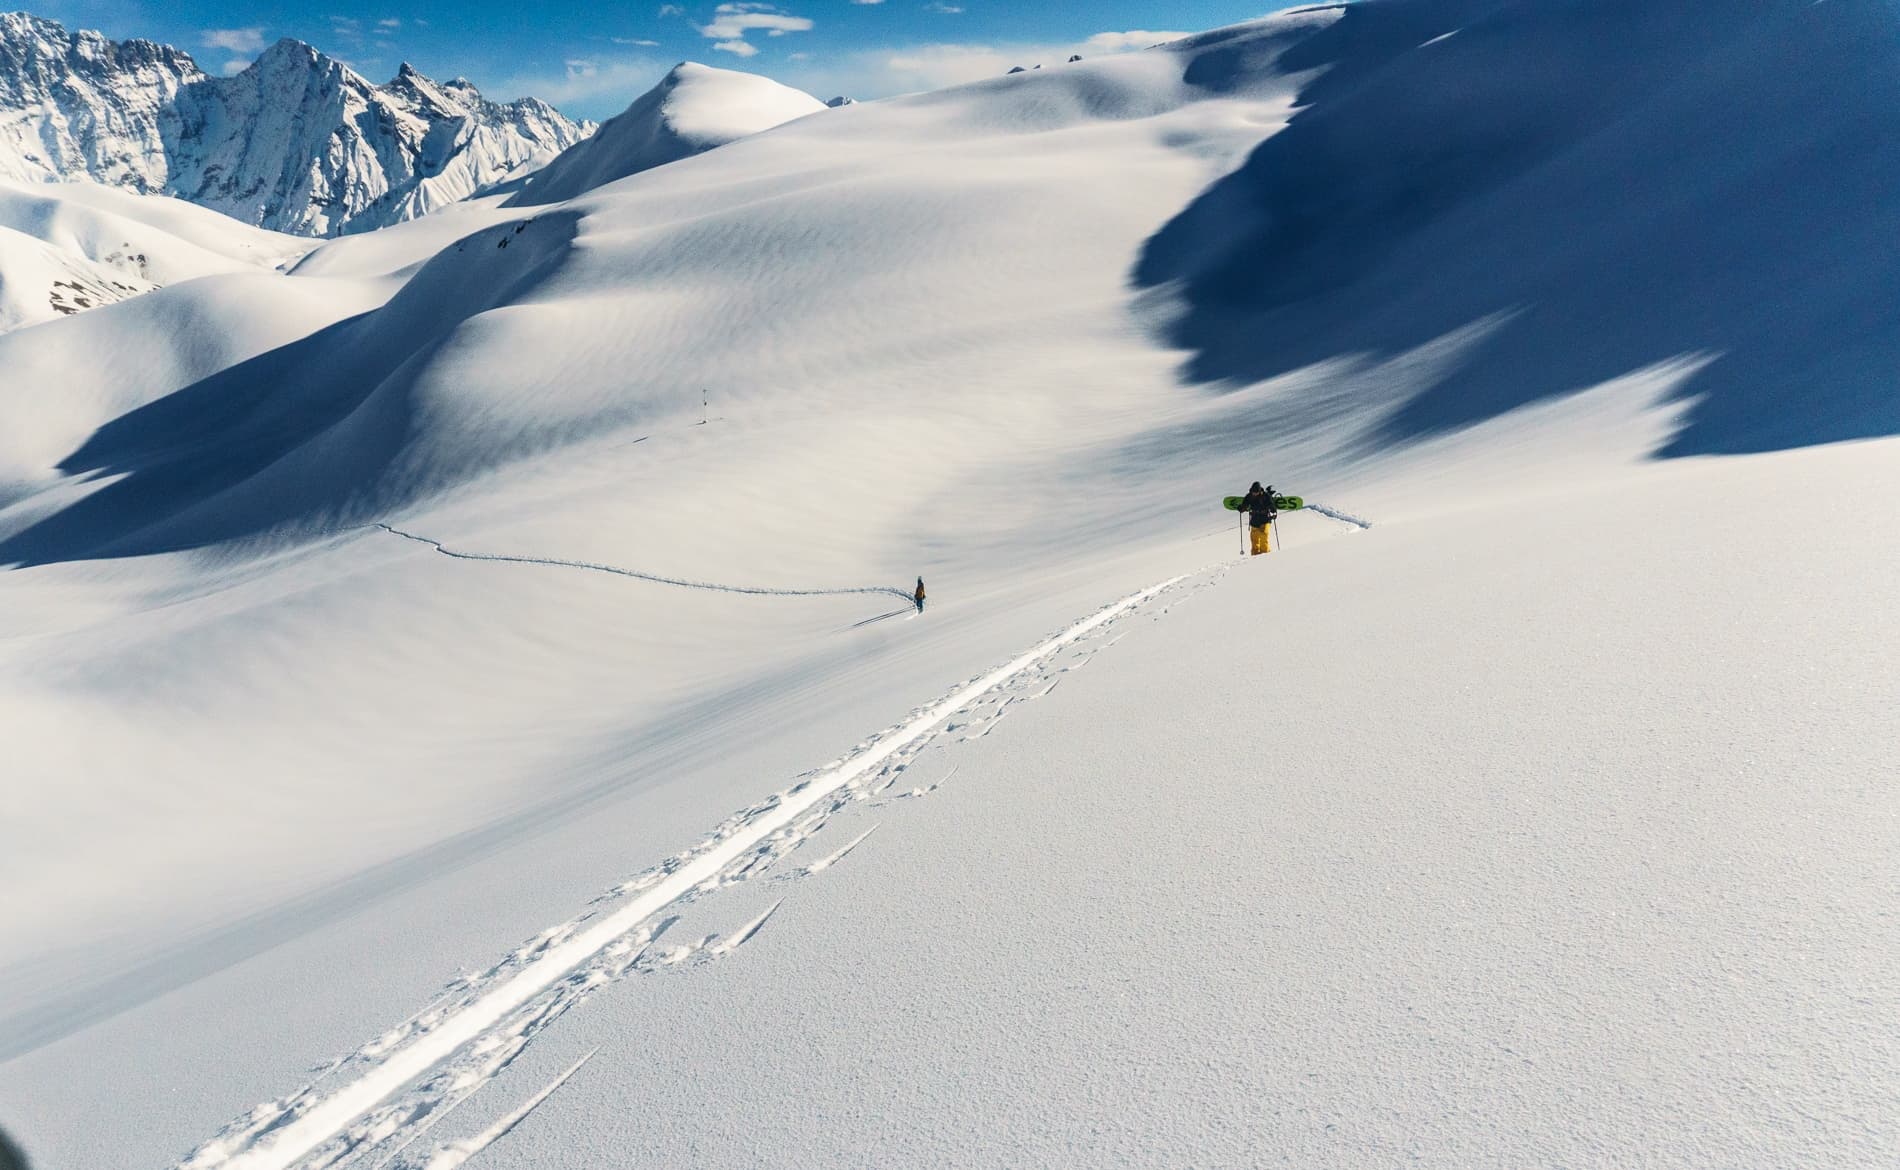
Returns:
point(591, 59)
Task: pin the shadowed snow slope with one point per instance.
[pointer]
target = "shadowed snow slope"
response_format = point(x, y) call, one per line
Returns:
point(1616, 183)
point(693, 109)
point(275, 773)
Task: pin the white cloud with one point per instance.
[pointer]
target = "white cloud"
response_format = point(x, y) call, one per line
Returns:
point(882, 72)
point(731, 23)
point(606, 83)
point(867, 1)
point(940, 7)
point(235, 40)
point(233, 68)
point(633, 41)
point(389, 22)
point(671, 10)
point(1104, 43)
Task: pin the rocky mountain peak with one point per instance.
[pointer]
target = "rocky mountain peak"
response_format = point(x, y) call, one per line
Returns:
point(297, 141)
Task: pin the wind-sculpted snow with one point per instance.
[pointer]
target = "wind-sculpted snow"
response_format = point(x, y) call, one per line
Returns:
point(1619, 184)
point(298, 142)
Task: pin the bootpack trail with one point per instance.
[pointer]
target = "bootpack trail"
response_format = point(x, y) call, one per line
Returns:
point(655, 578)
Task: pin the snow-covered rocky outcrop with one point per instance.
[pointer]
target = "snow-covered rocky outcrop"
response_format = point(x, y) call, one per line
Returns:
point(693, 109)
point(298, 142)
point(69, 247)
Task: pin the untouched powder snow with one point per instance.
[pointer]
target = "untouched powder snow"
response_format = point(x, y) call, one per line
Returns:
point(693, 109)
point(1526, 806)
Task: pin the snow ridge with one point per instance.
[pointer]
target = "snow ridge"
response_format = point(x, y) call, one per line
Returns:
point(639, 576)
point(446, 1053)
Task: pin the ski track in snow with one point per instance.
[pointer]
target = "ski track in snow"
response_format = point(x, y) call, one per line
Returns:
point(1342, 517)
point(368, 1107)
point(455, 1153)
point(639, 576)
point(831, 859)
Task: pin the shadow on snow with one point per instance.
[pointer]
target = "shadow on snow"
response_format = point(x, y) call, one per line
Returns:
point(318, 433)
point(1609, 183)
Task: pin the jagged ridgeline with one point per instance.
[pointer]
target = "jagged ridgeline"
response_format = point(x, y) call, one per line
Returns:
point(297, 142)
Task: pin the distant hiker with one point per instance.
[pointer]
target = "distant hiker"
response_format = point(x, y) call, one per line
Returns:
point(918, 596)
point(1259, 506)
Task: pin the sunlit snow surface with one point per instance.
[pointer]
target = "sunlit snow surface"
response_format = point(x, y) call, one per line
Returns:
point(1527, 806)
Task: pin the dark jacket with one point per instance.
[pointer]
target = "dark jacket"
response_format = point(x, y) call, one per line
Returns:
point(1259, 508)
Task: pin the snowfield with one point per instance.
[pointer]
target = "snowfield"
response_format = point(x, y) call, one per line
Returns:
point(464, 706)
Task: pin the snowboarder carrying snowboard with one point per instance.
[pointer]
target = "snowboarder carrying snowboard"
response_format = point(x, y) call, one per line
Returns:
point(918, 597)
point(1259, 505)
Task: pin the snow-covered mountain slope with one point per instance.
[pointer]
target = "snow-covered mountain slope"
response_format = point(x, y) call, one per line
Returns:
point(286, 788)
point(694, 108)
point(79, 105)
point(1725, 210)
point(74, 246)
point(297, 142)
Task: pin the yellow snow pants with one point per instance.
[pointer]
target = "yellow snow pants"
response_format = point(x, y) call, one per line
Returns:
point(1260, 539)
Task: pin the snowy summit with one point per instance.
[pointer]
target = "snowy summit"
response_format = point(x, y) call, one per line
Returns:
point(694, 109)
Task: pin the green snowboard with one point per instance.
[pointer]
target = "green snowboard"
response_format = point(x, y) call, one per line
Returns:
point(1280, 503)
